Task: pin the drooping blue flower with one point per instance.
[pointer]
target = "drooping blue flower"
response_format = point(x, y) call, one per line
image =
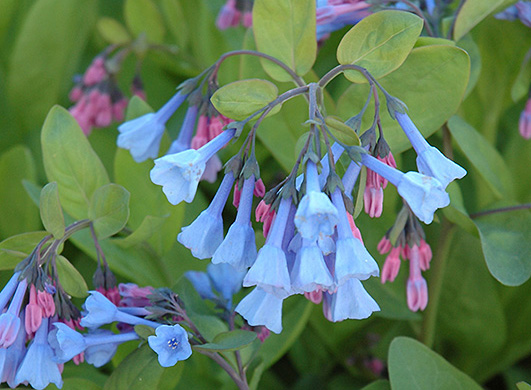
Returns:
point(352, 260)
point(11, 357)
point(8, 290)
point(316, 215)
point(430, 161)
point(65, 342)
point(270, 270)
point(142, 135)
point(201, 283)
point(350, 301)
point(423, 194)
point(179, 173)
point(100, 311)
point(262, 308)
point(205, 234)
point(38, 367)
point(226, 279)
point(239, 246)
point(309, 271)
point(100, 354)
point(184, 139)
point(171, 344)
point(10, 321)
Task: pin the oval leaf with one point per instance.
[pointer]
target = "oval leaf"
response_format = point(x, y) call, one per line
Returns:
point(15, 249)
point(413, 366)
point(431, 82)
point(70, 278)
point(51, 212)
point(113, 31)
point(242, 98)
point(143, 16)
point(472, 12)
point(379, 43)
point(343, 132)
point(229, 341)
point(70, 161)
point(285, 29)
point(109, 209)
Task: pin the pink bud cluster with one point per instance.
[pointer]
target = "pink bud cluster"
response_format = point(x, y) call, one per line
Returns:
point(40, 305)
point(231, 16)
point(373, 195)
point(524, 125)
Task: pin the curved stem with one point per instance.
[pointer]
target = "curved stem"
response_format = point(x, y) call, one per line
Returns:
point(427, 332)
point(242, 384)
point(525, 206)
point(340, 69)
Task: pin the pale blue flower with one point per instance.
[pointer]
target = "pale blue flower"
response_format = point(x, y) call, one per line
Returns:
point(10, 321)
point(350, 301)
point(65, 342)
point(100, 354)
point(38, 367)
point(309, 271)
point(184, 139)
point(8, 290)
point(260, 308)
point(171, 344)
point(11, 357)
point(205, 234)
point(142, 135)
point(179, 173)
point(316, 215)
point(201, 283)
point(239, 246)
point(226, 279)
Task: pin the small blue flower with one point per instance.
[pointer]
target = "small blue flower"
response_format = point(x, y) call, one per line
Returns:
point(316, 215)
point(65, 342)
point(226, 279)
point(100, 354)
point(184, 139)
point(205, 234)
point(262, 308)
point(171, 344)
point(309, 271)
point(8, 290)
point(11, 357)
point(179, 173)
point(10, 321)
point(38, 367)
point(141, 136)
point(350, 301)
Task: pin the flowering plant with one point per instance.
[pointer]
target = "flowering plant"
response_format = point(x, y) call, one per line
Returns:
point(348, 135)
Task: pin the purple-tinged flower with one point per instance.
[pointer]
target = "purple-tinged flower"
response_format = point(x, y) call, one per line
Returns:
point(262, 308)
point(133, 296)
point(239, 246)
point(309, 271)
point(38, 367)
point(101, 311)
point(11, 357)
point(316, 215)
point(205, 234)
point(270, 270)
point(424, 194)
point(350, 301)
point(213, 166)
point(229, 16)
point(524, 124)
point(417, 289)
point(171, 344)
point(8, 290)
point(334, 15)
point(430, 161)
point(179, 173)
point(68, 343)
point(184, 139)
point(524, 12)
point(10, 321)
point(142, 135)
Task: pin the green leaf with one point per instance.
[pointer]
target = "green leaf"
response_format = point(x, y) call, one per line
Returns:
point(520, 87)
point(113, 31)
point(109, 209)
point(361, 190)
point(70, 278)
point(456, 211)
point(431, 82)
point(228, 341)
point(78, 384)
point(149, 226)
point(392, 301)
point(51, 212)
point(285, 29)
point(506, 242)
point(472, 12)
point(33, 191)
point(143, 16)
point(45, 55)
point(142, 371)
point(413, 366)
point(379, 43)
point(378, 385)
point(144, 331)
point(176, 21)
point(343, 132)
point(469, 45)
point(523, 386)
point(429, 41)
point(15, 249)
point(70, 161)
point(242, 98)
point(16, 208)
point(483, 156)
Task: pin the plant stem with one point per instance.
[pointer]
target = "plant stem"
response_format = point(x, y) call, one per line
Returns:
point(241, 383)
point(525, 206)
point(427, 333)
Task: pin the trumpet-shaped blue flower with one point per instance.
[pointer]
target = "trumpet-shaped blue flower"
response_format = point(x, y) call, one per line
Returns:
point(270, 271)
point(10, 321)
point(309, 271)
point(352, 259)
point(316, 215)
point(205, 234)
point(350, 301)
point(11, 357)
point(8, 290)
point(100, 311)
point(38, 367)
point(201, 283)
point(239, 246)
point(141, 136)
point(262, 308)
point(171, 344)
point(430, 161)
point(424, 194)
point(184, 139)
point(179, 173)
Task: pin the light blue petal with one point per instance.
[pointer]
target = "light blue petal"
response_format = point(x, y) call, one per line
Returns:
point(431, 162)
point(238, 248)
point(260, 308)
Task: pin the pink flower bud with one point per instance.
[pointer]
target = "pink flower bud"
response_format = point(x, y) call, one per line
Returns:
point(391, 265)
point(524, 125)
point(34, 313)
point(45, 301)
